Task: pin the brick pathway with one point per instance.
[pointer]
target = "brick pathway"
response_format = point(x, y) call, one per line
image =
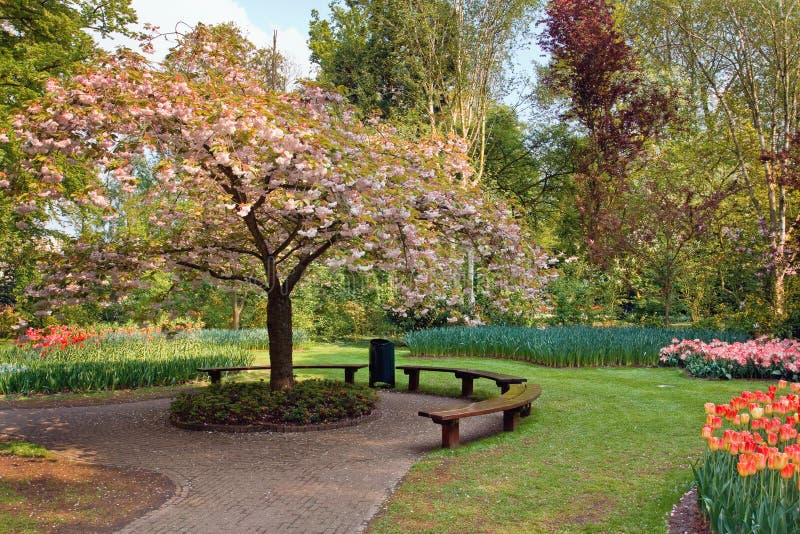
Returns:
point(316, 482)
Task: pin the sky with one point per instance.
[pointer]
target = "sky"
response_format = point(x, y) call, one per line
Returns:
point(257, 18)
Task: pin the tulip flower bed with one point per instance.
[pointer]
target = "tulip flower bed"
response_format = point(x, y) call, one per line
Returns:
point(110, 362)
point(749, 479)
point(55, 337)
point(758, 358)
point(563, 346)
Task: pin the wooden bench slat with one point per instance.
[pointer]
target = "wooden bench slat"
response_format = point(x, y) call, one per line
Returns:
point(520, 396)
point(215, 373)
point(467, 377)
point(260, 367)
point(497, 377)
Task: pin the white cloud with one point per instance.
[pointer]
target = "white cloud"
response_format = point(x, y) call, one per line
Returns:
point(179, 15)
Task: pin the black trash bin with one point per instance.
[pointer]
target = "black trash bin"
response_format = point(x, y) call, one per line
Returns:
point(381, 362)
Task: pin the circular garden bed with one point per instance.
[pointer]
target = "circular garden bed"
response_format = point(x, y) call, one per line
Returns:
point(253, 407)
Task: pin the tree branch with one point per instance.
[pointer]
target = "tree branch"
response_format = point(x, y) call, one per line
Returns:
point(219, 276)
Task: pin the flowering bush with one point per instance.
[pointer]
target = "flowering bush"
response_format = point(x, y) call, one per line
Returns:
point(749, 480)
point(757, 358)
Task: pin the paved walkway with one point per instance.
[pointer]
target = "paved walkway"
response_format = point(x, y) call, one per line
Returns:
point(331, 481)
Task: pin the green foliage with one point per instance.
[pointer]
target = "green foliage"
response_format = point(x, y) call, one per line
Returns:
point(342, 304)
point(584, 294)
point(120, 362)
point(309, 401)
point(43, 39)
point(23, 449)
point(569, 346)
point(530, 164)
point(763, 503)
point(364, 48)
point(247, 339)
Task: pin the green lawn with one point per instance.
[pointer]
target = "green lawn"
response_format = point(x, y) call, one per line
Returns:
point(605, 449)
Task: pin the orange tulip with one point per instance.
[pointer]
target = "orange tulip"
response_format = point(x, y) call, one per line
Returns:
point(745, 467)
point(760, 460)
point(788, 471)
point(777, 461)
point(772, 438)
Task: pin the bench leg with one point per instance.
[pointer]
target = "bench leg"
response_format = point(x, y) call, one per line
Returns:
point(504, 388)
point(525, 411)
point(216, 376)
point(350, 376)
point(511, 420)
point(466, 386)
point(413, 379)
point(450, 434)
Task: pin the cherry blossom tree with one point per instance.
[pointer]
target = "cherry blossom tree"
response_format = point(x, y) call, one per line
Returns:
point(254, 186)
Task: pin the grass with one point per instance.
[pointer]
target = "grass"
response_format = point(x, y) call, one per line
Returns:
point(561, 346)
point(604, 450)
point(22, 449)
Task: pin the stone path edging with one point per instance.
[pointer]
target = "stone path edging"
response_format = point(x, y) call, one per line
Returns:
point(331, 481)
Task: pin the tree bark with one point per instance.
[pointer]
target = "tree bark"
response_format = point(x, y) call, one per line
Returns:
point(279, 327)
point(779, 292)
point(237, 310)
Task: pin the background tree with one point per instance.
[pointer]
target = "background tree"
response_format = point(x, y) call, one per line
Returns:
point(39, 39)
point(740, 61)
point(619, 111)
point(254, 186)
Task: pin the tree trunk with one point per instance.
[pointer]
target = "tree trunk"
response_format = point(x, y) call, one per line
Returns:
point(668, 297)
point(279, 327)
point(237, 310)
point(470, 289)
point(779, 292)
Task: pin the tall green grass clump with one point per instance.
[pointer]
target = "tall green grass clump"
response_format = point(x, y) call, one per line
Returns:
point(559, 346)
point(117, 363)
point(249, 338)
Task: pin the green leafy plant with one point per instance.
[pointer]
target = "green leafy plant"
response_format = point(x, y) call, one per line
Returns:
point(310, 401)
point(117, 362)
point(566, 346)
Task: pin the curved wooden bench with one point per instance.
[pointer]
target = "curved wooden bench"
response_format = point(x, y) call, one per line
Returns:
point(513, 403)
point(467, 377)
point(349, 370)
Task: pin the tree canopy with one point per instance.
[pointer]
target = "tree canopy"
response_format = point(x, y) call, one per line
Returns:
point(254, 186)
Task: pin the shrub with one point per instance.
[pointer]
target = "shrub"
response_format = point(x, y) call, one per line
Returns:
point(248, 403)
point(758, 358)
point(748, 479)
point(566, 346)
